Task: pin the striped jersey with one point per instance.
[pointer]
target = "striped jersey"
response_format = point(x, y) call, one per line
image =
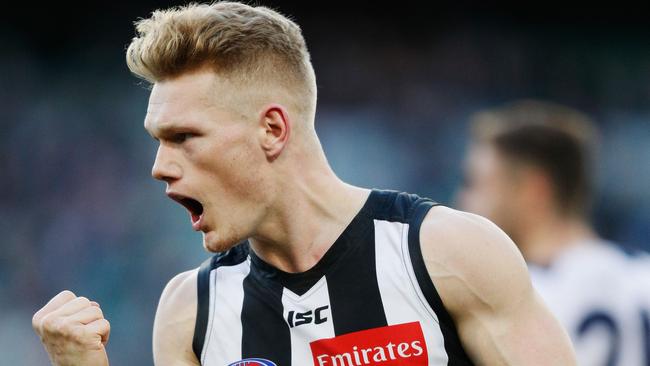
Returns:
point(368, 301)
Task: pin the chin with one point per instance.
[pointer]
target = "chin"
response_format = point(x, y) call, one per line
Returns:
point(214, 243)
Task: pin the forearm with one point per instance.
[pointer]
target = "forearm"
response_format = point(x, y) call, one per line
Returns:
point(97, 358)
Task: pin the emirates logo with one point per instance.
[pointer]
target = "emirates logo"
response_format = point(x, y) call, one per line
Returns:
point(401, 344)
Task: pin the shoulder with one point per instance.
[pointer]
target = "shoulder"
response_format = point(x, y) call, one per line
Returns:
point(178, 288)
point(471, 260)
point(448, 232)
point(569, 285)
point(179, 293)
point(175, 319)
point(596, 260)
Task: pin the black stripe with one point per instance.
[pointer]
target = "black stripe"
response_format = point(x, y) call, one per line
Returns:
point(353, 289)
point(232, 257)
point(264, 331)
point(453, 346)
point(300, 283)
point(202, 308)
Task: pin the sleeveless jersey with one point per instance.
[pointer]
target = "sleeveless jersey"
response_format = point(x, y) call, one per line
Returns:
point(602, 297)
point(368, 301)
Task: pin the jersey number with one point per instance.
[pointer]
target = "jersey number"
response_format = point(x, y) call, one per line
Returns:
point(603, 320)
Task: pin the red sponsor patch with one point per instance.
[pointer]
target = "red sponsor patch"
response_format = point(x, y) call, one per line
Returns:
point(401, 344)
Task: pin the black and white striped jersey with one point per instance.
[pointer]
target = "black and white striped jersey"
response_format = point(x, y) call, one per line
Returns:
point(368, 301)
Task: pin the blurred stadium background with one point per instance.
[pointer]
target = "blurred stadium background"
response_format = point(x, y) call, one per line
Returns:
point(79, 210)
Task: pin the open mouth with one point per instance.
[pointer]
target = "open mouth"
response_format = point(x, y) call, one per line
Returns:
point(194, 207)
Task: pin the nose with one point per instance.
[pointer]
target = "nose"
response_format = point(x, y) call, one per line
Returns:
point(164, 167)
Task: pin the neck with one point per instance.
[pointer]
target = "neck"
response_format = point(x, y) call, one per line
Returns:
point(313, 209)
point(545, 239)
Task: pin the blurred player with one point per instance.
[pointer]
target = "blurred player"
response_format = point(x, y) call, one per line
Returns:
point(528, 170)
point(310, 270)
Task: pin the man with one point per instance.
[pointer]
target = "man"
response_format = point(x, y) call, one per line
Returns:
point(310, 270)
point(528, 171)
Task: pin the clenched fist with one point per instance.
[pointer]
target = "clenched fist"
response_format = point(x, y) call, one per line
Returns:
point(73, 331)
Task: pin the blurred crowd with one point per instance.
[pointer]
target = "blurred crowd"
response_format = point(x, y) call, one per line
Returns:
point(79, 210)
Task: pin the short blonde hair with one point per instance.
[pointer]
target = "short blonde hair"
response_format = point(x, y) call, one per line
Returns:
point(253, 45)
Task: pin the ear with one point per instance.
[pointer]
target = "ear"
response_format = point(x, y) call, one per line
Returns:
point(275, 130)
point(538, 188)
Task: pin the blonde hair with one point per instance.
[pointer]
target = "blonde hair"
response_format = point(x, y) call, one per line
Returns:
point(254, 46)
point(488, 124)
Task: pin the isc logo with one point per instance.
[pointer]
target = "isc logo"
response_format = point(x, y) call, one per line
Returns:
point(317, 316)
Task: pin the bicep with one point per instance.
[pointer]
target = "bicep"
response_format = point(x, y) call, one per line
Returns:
point(484, 284)
point(174, 323)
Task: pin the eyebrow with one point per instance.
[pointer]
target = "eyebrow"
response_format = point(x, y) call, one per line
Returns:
point(168, 129)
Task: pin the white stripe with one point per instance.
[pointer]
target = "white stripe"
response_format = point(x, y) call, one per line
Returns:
point(224, 335)
point(301, 335)
point(400, 293)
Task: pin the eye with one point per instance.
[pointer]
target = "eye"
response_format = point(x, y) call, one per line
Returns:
point(179, 138)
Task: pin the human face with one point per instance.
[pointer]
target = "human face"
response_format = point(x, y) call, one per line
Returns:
point(208, 155)
point(490, 187)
